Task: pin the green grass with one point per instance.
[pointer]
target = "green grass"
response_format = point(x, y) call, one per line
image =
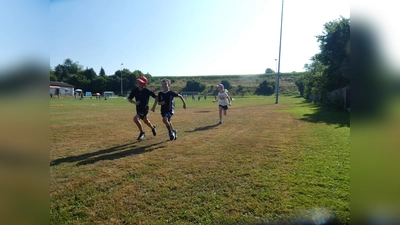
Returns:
point(268, 162)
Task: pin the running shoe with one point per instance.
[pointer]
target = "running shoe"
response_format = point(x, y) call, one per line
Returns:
point(141, 136)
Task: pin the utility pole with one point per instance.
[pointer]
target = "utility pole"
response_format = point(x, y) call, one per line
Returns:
point(121, 80)
point(279, 60)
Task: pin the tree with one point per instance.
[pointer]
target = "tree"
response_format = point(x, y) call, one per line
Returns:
point(269, 70)
point(58, 71)
point(99, 84)
point(102, 72)
point(72, 67)
point(335, 54)
point(194, 86)
point(300, 85)
point(80, 81)
point(53, 76)
point(89, 74)
point(61, 73)
point(329, 70)
point(313, 78)
point(150, 78)
point(131, 78)
point(241, 90)
point(265, 88)
point(226, 83)
point(114, 83)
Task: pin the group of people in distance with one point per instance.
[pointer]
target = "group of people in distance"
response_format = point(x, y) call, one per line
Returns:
point(140, 97)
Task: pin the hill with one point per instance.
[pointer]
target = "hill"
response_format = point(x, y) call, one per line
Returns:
point(240, 84)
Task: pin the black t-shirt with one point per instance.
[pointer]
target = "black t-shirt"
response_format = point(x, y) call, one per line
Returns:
point(142, 96)
point(169, 105)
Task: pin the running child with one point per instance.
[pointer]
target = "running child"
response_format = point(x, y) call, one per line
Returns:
point(166, 100)
point(142, 95)
point(224, 101)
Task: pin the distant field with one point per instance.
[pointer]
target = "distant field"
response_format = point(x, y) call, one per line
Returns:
point(267, 162)
point(250, 82)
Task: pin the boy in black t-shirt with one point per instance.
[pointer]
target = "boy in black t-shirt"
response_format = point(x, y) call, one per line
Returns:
point(166, 100)
point(142, 95)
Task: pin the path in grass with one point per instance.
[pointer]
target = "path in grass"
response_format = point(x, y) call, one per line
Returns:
point(263, 163)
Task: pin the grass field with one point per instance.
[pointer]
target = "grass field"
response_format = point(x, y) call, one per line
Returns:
point(266, 164)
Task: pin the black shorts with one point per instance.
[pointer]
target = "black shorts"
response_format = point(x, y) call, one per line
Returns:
point(142, 112)
point(225, 107)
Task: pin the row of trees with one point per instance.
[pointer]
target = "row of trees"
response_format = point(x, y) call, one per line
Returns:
point(329, 70)
point(88, 80)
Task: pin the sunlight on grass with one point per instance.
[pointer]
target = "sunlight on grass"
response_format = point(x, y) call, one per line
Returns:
point(266, 162)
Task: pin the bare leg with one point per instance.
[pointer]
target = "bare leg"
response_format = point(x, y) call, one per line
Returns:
point(220, 114)
point(171, 131)
point(147, 122)
point(136, 119)
point(167, 123)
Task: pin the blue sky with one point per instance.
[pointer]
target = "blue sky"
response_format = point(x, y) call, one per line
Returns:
point(181, 37)
point(23, 36)
point(170, 37)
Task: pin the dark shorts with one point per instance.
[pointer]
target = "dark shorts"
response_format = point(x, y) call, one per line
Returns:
point(168, 115)
point(142, 112)
point(225, 107)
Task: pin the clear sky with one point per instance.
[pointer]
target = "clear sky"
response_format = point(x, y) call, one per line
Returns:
point(170, 37)
point(23, 26)
point(182, 37)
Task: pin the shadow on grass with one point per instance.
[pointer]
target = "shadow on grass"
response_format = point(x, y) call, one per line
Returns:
point(203, 111)
point(328, 116)
point(298, 96)
point(104, 154)
point(203, 128)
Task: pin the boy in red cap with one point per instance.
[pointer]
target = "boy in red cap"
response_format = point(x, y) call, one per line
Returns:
point(142, 95)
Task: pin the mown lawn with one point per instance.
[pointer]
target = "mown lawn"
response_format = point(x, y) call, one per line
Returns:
point(267, 163)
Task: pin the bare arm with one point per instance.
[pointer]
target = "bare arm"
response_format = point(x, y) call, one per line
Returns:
point(131, 101)
point(155, 104)
point(183, 100)
point(158, 100)
point(229, 99)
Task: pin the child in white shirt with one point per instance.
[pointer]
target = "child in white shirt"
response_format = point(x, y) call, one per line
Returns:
point(224, 101)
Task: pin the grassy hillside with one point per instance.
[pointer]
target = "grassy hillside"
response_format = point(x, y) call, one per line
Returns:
point(249, 82)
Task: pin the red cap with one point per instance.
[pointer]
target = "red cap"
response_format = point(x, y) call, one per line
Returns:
point(142, 80)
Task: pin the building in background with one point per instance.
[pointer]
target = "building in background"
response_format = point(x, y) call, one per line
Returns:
point(61, 88)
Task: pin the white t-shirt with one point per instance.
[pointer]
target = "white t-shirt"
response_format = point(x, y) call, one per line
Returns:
point(223, 98)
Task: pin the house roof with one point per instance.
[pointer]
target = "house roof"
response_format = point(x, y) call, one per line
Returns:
point(60, 84)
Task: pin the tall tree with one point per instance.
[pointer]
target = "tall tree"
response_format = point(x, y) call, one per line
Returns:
point(102, 72)
point(89, 74)
point(61, 73)
point(335, 53)
point(330, 69)
point(72, 67)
